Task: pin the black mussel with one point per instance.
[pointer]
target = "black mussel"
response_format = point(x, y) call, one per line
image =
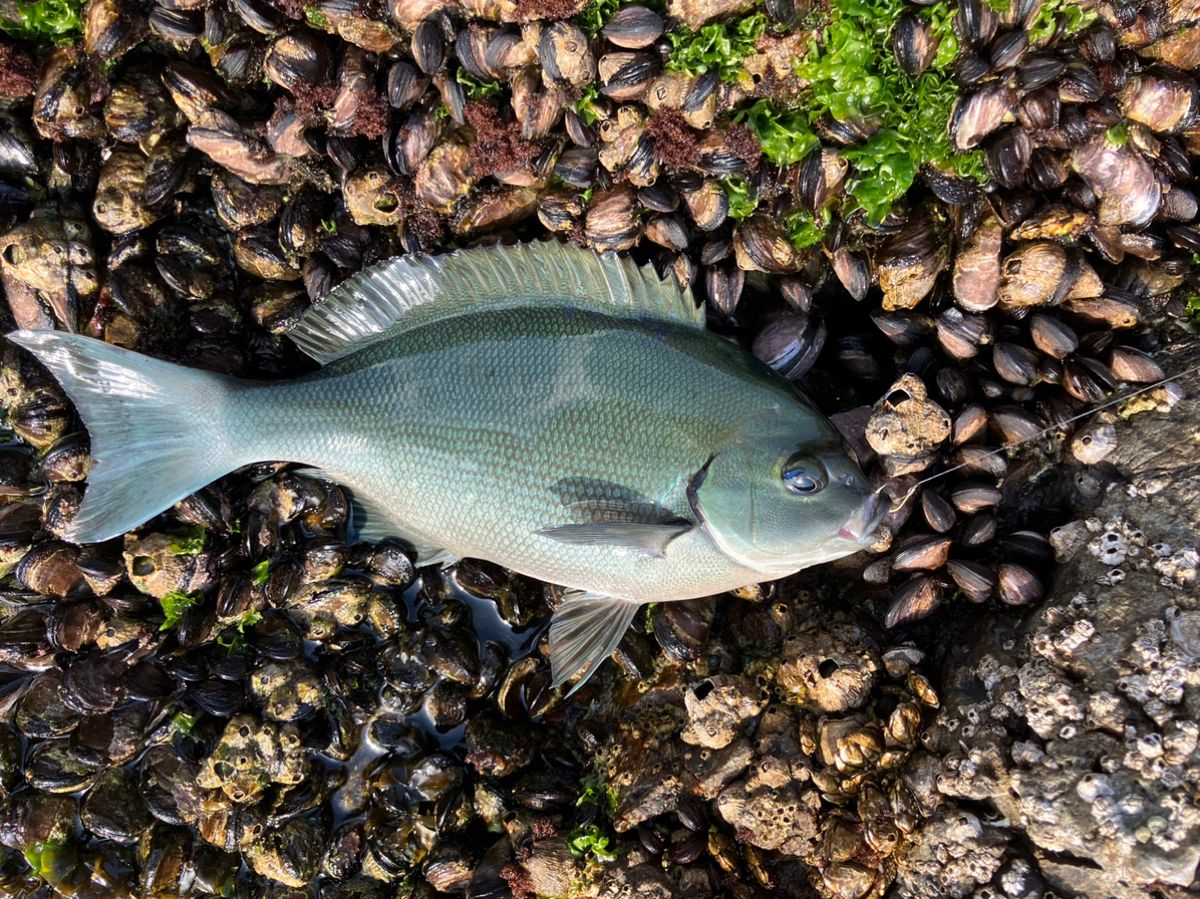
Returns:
point(1039, 69)
point(94, 684)
point(218, 697)
point(1008, 155)
point(1017, 585)
point(976, 22)
point(917, 598)
point(723, 288)
point(976, 581)
point(914, 43)
point(260, 15)
point(791, 343)
point(1008, 49)
point(633, 27)
point(681, 628)
point(429, 46)
point(405, 85)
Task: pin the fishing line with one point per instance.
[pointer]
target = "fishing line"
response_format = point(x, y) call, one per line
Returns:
point(1049, 429)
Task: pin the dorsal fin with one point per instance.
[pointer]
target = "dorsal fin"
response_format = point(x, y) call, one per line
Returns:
point(406, 292)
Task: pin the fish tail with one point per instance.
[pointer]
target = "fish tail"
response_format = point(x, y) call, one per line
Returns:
point(155, 427)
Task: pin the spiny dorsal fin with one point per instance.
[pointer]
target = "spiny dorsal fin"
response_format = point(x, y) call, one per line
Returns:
point(406, 292)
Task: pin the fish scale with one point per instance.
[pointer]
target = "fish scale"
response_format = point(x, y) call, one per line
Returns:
point(560, 413)
point(544, 398)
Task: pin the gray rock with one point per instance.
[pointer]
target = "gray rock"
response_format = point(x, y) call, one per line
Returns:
point(1079, 726)
point(953, 854)
point(717, 707)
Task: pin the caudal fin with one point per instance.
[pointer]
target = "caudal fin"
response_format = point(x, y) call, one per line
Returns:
point(154, 426)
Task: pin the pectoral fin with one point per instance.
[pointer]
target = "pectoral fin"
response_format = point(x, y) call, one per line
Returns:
point(584, 631)
point(650, 539)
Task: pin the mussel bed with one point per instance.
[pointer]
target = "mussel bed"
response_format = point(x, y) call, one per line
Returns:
point(233, 701)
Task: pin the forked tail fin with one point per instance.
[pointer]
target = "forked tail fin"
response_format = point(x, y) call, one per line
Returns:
point(156, 433)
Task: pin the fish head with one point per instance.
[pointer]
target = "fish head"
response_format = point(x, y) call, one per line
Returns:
point(783, 493)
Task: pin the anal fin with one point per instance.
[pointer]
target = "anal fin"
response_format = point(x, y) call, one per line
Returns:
point(372, 521)
point(584, 631)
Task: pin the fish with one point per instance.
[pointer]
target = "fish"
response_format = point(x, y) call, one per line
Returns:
point(562, 413)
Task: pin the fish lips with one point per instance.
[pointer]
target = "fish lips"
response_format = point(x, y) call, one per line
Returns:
point(860, 526)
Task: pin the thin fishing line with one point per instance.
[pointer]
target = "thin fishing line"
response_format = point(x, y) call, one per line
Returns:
point(1049, 429)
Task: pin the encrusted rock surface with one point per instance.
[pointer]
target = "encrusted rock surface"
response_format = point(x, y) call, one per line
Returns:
point(1068, 740)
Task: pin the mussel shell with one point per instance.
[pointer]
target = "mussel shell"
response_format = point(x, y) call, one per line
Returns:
point(723, 288)
point(633, 27)
point(1016, 425)
point(429, 46)
point(1039, 69)
point(297, 59)
point(94, 685)
point(1017, 585)
point(939, 514)
point(1031, 547)
point(962, 334)
point(59, 766)
point(114, 809)
point(147, 680)
point(1052, 336)
point(1008, 49)
point(917, 598)
point(1134, 366)
point(977, 581)
point(1087, 379)
point(913, 43)
point(919, 553)
point(979, 530)
point(219, 696)
point(566, 55)
point(1008, 155)
point(682, 628)
point(260, 15)
point(791, 343)
point(1015, 364)
point(976, 22)
point(175, 25)
point(852, 271)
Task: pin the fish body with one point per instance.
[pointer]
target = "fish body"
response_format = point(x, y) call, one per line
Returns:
point(600, 439)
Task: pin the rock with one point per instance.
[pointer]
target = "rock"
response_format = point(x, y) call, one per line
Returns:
point(712, 769)
point(717, 707)
point(779, 757)
point(158, 564)
point(642, 765)
point(906, 427)
point(954, 853)
point(496, 746)
point(634, 875)
point(694, 13)
point(1079, 725)
point(784, 819)
point(830, 668)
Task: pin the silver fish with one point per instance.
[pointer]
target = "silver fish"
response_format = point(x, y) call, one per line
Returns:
point(561, 413)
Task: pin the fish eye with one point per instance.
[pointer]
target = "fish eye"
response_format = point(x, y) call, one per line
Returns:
point(804, 475)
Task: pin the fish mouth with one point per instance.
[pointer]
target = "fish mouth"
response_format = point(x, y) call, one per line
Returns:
point(866, 518)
